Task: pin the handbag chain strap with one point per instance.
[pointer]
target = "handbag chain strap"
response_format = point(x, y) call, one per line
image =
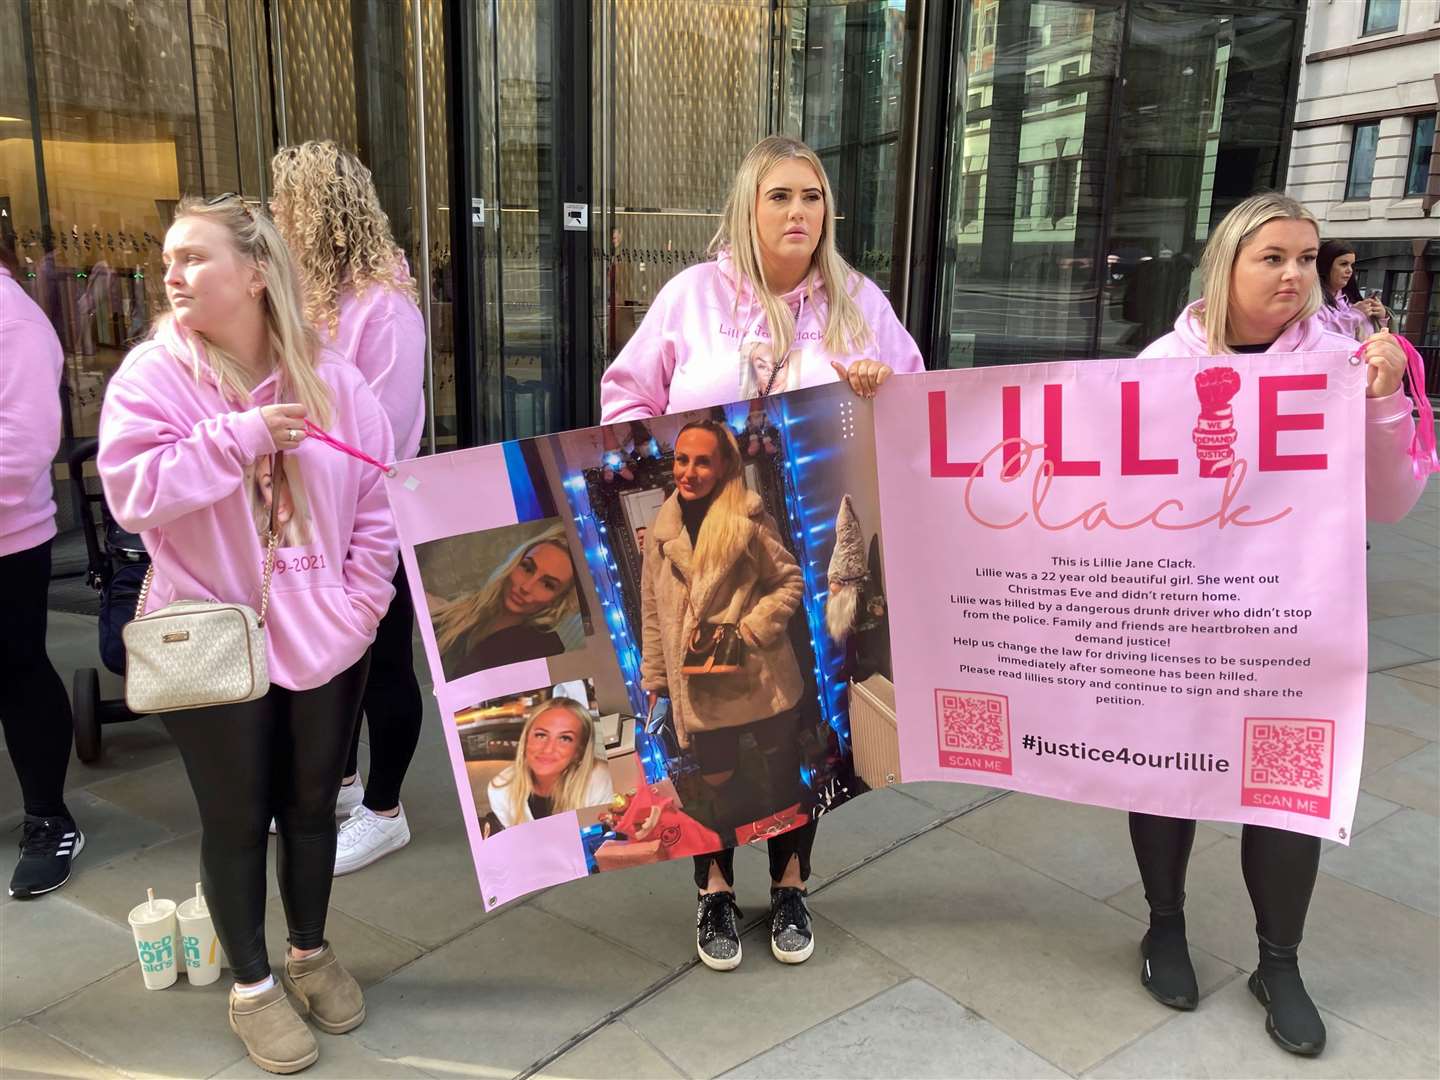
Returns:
point(272, 541)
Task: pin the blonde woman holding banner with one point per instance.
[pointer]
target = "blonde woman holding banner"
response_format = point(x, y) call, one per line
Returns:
point(1262, 295)
point(777, 309)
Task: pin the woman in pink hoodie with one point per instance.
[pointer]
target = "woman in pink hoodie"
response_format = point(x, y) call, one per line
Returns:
point(1262, 295)
point(776, 310)
point(1344, 310)
point(224, 388)
point(360, 297)
point(34, 708)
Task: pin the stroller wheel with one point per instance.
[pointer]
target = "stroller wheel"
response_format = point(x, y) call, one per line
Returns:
point(85, 692)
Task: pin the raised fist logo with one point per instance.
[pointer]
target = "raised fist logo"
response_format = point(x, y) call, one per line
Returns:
point(1214, 432)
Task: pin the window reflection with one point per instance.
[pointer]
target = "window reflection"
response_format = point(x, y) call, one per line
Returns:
point(1073, 233)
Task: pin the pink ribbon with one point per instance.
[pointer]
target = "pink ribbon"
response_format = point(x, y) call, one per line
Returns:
point(316, 432)
point(1422, 445)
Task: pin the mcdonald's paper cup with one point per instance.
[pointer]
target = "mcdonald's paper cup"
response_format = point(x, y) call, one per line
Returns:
point(200, 947)
point(153, 924)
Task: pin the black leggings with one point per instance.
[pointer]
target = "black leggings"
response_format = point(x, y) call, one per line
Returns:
point(278, 756)
point(392, 704)
point(33, 705)
point(777, 738)
point(1279, 868)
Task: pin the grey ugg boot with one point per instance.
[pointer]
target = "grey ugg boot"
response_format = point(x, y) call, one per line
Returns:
point(274, 1036)
point(325, 991)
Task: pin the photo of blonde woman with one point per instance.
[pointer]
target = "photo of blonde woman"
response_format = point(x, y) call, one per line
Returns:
point(556, 767)
point(526, 608)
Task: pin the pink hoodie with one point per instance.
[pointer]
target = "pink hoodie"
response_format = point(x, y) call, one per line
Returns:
point(1345, 319)
point(1391, 486)
point(179, 465)
point(382, 333)
point(689, 352)
point(31, 362)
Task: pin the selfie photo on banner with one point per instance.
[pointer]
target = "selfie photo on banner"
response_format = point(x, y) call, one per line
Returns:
point(1109, 582)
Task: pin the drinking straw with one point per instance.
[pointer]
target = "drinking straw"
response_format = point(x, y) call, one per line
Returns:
point(149, 901)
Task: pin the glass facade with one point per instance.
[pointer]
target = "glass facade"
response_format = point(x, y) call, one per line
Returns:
point(1097, 142)
point(1048, 169)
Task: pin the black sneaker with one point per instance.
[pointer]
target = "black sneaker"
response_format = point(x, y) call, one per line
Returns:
point(1166, 970)
point(791, 938)
point(1291, 1017)
point(48, 845)
point(717, 938)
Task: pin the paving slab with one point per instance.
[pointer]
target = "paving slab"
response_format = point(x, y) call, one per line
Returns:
point(1390, 540)
point(1226, 1037)
point(1385, 655)
point(1043, 962)
point(342, 1057)
point(1399, 858)
point(1404, 596)
point(1403, 704)
point(1366, 958)
point(615, 1052)
point(1418, 633)
point(707, 1022)
point(502, 996)
point(160, 794)
point(912, 1030)
point(1427, 673)
point(949, 797)
point(1414, 780)
point(658, 902)
point(864, 826)
point(1085, 847)
point(426, 892)
point(26, 1051)
point(1387, 745)
point(1386, 568)
point(179, 1031)
point(53, 948)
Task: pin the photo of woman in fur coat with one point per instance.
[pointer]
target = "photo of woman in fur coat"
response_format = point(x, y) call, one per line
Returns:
point(713, 557)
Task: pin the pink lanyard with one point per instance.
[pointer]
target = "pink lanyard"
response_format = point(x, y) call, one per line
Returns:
point(1422, 447)
point(316, 432)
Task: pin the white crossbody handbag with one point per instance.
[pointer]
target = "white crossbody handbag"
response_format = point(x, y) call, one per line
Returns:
point(196, 653)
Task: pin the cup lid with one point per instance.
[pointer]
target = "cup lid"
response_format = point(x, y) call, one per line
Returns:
point(193, 908)
point(142, 913)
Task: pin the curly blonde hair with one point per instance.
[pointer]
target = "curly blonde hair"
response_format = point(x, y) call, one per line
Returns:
point(325, 205)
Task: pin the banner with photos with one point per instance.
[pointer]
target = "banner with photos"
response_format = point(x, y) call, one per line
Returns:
point(1112, 582)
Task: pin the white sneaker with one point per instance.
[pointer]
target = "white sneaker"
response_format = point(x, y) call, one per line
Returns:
point(351, 796)
point(366, 836)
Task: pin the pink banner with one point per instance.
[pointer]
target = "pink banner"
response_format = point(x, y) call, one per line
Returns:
point(1142, 584)
point(1130, 583)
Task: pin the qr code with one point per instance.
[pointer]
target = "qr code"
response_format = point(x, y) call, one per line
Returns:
point(1289, 755)
point(973, 722)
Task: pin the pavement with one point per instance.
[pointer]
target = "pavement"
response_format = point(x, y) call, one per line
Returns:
point(961, 932)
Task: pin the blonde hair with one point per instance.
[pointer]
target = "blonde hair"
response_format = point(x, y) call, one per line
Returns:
point(326, 207)
point(1217, 264)
point(294, 345)
point(470, 616)
point(724, 534)
point(570, 791)
point(845, 326)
